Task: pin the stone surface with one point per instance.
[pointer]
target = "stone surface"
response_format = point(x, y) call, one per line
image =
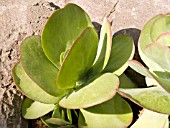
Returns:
point(22, 18)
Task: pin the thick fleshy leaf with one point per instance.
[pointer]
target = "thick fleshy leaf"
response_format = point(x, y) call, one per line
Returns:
point(160, 54)
point(165, 83)
point(81, 121)
point(104, 47)
point(100, 90)
point(159, 26)
point(33, 109)
point(150, 119)
point(29, 88)
point(125, 82)
point(154, 98)
point(138, 67)
point(61, 30)
point(78, 60)
point(164, 38)
point(122, 51)
point(144, 40)
point(55, 122)
point(113, 113)
point(38, 67)
point(144, 71)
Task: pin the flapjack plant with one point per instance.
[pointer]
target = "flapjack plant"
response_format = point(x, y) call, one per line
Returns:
point(68, 69)
point(154, 50)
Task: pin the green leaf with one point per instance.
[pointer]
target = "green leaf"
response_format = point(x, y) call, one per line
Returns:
point(78, 60)
point(159, 26)
point(150, 119)
point(122, 51)
point(81, 121)
point(125, 82)
point(104, 47)
point(138, 67)
point(113, 113)
point(154, 98)
point(33, 109)
point(55, 122)
point(38, 67)
point(164, 38)
point(56, 112)
point(144, 40)
point(96, 92)
point(29, 88)
point(61, 30)
point(160, 54)
point(163, 82)
point(69, 115)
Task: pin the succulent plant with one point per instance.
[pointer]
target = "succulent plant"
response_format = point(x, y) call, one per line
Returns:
point(67, 69)
point(154, 50)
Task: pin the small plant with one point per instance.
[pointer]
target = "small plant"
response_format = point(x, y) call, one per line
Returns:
point(154, 50)
point(68, 71)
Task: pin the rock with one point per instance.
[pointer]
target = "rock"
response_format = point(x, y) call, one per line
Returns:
point(22, 18)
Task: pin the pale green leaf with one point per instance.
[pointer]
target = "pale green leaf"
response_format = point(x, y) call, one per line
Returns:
point(113, 113)
point(160, 54)
point(29, 88)
point(138, 67)
point(33, 109)
point(160, 26)
point(144, 40)
point(164, 38)
point(150, 119)
point(153, 98)
point(100, 90)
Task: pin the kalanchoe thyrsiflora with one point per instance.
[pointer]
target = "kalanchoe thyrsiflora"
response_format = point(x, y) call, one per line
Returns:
point(68, 68)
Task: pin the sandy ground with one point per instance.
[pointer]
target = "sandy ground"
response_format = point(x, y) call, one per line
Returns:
point(22, 18)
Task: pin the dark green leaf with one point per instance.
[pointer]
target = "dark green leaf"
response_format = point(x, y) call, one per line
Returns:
point(61, 30)
point(122, 51)
point(78, 60)
point(104, 47)
point(38, 67)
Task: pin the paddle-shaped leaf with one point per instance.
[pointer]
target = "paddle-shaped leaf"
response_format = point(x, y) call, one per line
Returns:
point(164, 38)
point(122, 51)
point(61, 30)
point(33, 109)
point(150, 119)
point(144, 40)
point(160, 54)
point(160, 26)
point(38, 67)
point(29, 88)
point(113, 113)
point(144, 71)
point(154, 98)
point(138, 67)
point(78, 60)
point(104, 47)
point(96, 92)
